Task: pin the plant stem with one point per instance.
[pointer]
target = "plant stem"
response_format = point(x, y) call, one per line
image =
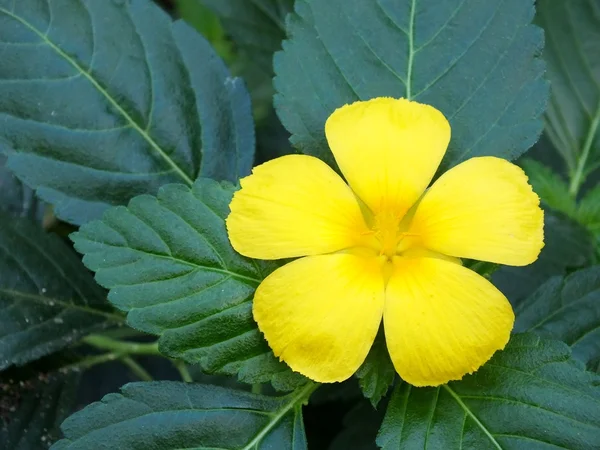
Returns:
point(91, 361)
point(183, 371)
point(579, 177)
point(125, 347)
point(137, 369)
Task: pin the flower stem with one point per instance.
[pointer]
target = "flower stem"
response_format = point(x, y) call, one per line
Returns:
point(136, 368)
point(579, 176)
point(183, 371)
point(91, 361)
point(125, 347)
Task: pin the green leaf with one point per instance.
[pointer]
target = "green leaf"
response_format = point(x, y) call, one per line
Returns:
point(551, 188)
point(207, 23)
point(377, 372)
point(168, 262)
point(588, 212)
point(573, 54)
point(173, 415)
point(33, 404)
point(567, 246)
point(257, 28)
point(17, 199)
point(148, 103)
point(529, 396)
point(48, 299)
point(567, 309)
point(476, 61)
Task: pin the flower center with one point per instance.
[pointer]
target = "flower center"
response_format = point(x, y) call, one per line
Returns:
point(386, 227)
point(390, 236)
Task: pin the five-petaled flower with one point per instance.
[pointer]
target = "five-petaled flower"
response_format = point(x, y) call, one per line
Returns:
point(385, 246)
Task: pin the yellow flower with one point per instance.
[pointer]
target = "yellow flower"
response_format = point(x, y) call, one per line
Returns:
point(382, 246)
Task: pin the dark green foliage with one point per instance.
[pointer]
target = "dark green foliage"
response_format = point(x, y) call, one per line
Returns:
point(572, 53)
point(170, 415)
point(474, 60)
point(34, 400)
point(16, 198)
point(567, 309)
point(168, 262)
point(567, 246)
point(529, 396)
point(149, 103)
point(377, 373)
point(47, 298)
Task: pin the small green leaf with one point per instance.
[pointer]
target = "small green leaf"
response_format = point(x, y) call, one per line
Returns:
point(168, 262)
point(149, 102)
point(173, 415)
point(377, 373)
point(529, 396)
point(476, 61)
point(567, 309)
point(588, 212)
point(573, 53)
point(34, 402)
point(48, 299)
point(551, 188)
point(567, 246)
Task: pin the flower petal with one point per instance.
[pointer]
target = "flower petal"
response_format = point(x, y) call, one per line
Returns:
point(482, 209)
point(388, 149)
point(442, 320)
point(320, 314)
point(293, 206)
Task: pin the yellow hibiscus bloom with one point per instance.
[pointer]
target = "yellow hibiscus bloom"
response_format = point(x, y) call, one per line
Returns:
point(385, 246)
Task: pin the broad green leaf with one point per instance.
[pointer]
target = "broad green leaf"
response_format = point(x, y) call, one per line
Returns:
point(529, 396)
point(551, 188)
point(47, 298)
point(377, 373)
point(171, 415)
point(17, 199)
point(567, 309)
point(573, 54)
point(168, 262)
point(33, 404)
point(104, 100)
point(476, 61)
point(567, 246)
point(257, 28)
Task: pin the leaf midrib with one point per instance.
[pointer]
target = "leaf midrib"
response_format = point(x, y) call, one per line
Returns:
point(195, 266)
point(473, 417)
point(302, 395)
point(105, 93)
point(411, 49)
